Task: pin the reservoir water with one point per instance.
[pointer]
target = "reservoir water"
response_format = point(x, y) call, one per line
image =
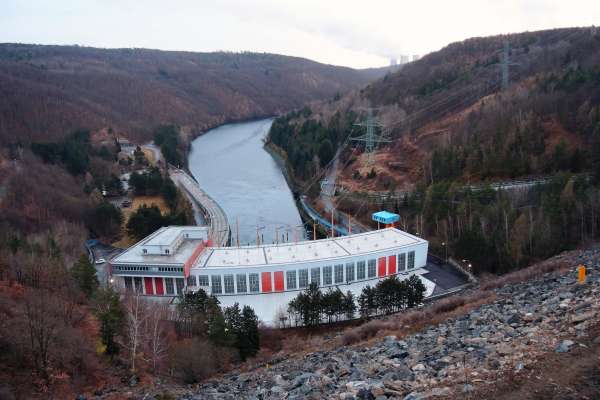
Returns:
point(231, 165)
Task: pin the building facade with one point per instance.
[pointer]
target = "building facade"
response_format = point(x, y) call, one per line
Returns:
point(266, 277)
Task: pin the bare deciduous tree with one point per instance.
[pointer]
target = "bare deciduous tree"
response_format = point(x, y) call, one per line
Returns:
point(136, 315)
point(157, 335)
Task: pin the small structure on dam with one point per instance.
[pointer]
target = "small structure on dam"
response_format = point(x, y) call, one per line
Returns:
point(266, 277)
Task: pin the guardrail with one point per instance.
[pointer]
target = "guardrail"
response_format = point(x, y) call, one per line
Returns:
point(218, 226)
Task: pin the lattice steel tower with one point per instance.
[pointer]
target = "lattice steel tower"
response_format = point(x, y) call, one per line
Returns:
point(371, 138)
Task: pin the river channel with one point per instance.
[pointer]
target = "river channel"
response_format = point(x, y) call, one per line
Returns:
point(231, 165)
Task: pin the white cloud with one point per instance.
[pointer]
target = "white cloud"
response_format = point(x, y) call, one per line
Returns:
point(345, 32)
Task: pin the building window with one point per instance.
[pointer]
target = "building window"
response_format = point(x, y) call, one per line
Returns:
point(303, 278)
point(360, 270)
point(203, 280)
point(401, 262)
point(169, 286)
point(253, 278)
point(215, 281)
point(411, 259)
point(372, 268)
point(290, 278)
point(191, 280)
point(241, 283)
point(339, 273)
point(138, 284)
point(349, 272)
point(228, 283)
point(327, 275)
point(315, 276)
point(179, 283)
point(128, 283)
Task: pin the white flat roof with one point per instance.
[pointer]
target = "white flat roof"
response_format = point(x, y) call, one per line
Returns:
point(286, 253)
point(162, 237)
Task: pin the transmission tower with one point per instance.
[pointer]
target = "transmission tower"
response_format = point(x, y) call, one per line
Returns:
point(371, 138)
point(506, 65)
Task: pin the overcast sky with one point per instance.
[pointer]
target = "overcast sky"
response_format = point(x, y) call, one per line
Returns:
point(343, 32)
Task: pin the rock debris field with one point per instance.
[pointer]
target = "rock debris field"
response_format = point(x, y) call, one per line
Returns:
point(527, 320)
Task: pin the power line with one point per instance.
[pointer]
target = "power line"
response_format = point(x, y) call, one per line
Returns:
point(370, 138)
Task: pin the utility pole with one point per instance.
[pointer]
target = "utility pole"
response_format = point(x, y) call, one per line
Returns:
point(371, 138)
point(349, 224)
point(314, 230)
point(237, 223)
point(332, 225)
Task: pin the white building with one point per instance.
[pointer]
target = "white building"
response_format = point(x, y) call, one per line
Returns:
point(266, 277)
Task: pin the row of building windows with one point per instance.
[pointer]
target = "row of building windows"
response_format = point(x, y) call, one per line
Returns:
point(146, 268)
point(299, 279)
point(129, 268)
point(170, 284)
point(170, 269)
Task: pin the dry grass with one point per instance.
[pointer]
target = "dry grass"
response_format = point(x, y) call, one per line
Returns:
point(450, 307)
point(523, 275)
point(149, 155)
point(136, 203)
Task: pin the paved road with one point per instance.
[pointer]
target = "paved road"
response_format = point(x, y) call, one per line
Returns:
point(341, 227)
point(106, 252)
point(444, 275)
point(213, 213)
point(155, 150)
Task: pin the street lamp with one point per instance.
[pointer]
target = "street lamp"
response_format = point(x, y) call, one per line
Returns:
point(445, 250)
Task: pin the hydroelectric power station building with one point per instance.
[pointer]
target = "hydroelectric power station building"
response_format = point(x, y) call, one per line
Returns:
point(266, 277)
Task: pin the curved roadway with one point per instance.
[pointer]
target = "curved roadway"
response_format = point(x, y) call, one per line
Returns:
point(218, 226)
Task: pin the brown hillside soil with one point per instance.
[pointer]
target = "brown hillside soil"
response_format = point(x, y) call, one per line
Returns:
point(555, 133)
point(564, 376)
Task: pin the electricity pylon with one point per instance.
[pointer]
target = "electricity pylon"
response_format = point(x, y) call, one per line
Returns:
point(505, 65)
point(371, 138)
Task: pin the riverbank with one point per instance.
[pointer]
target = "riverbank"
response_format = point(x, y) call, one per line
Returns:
point(247, 179)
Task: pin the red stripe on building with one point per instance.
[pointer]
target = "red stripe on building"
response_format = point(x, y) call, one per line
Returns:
point(266, 281)
point(381, 267)
point(148, 285)
point(158, 283)
point(190, 261)
point(278, 276)
point(392, 264)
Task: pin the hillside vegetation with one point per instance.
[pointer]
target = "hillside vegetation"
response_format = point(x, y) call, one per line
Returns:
point(452, 125)
point(48, 91)
point(448, 112)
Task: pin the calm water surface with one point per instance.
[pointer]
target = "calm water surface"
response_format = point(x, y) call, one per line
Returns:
point(231, 165)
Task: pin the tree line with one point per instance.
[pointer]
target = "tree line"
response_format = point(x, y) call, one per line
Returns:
point(309, 144)
point(313, 307)
point(166, 137)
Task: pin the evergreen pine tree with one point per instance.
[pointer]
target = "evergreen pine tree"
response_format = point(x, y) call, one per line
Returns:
point(84, 274)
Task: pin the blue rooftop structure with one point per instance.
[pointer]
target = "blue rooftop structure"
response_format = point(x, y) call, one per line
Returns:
point(385, 217)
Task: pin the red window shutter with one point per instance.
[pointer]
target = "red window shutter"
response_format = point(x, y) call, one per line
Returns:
point(392, 265)
point(158, 282)
point(266, 281)
point(381, 267)
point(278, 276)
point(148, 285)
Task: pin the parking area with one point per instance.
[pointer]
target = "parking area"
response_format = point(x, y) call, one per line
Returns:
point(444, 275)
point(99, 252)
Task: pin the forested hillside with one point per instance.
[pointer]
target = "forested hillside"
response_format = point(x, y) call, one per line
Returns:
point(448, 112)
point(453, 128)
point(48, 91)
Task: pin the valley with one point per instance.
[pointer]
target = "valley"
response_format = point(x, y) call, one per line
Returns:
point(250, 225)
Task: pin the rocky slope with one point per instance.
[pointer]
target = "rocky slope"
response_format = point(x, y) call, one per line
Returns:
point(46, 91)
point(465, 356)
